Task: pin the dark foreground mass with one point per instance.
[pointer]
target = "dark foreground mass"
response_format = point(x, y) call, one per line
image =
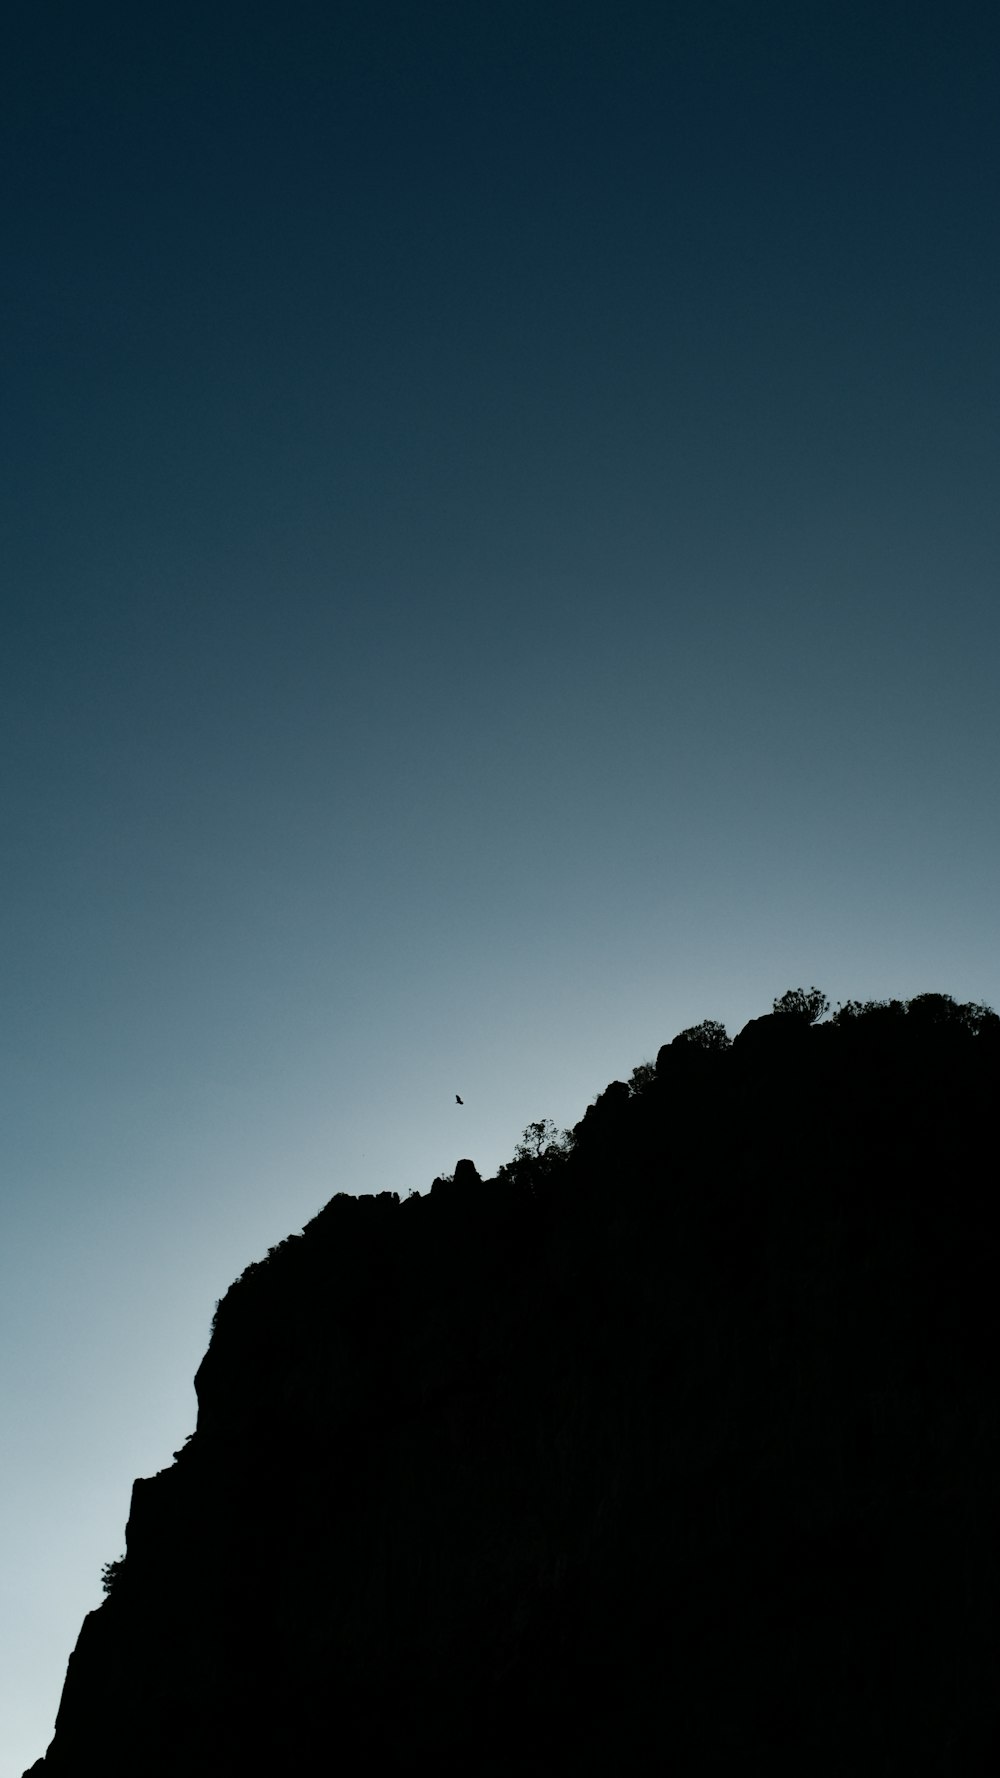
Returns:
point(673, 1448)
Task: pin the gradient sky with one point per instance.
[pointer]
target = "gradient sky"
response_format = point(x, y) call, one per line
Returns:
point(499, 563)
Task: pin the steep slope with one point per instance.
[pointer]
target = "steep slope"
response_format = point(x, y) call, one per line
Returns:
point(678, 1440)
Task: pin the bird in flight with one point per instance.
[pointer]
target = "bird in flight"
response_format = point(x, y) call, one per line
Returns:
point(458, 1099)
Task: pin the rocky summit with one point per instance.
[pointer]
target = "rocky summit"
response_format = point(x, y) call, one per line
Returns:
point(671, 1448)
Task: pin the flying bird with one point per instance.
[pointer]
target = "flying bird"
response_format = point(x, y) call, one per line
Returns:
point(458, 1099)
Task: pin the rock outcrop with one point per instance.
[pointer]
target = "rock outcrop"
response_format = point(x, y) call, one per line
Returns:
point(683, 1456)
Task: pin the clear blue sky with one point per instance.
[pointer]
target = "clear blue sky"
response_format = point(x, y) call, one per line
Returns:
point(499, 563)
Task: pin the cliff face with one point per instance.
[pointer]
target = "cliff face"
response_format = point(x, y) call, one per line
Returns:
point(681, 1443)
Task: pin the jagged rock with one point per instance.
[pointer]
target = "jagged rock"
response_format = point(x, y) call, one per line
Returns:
point(601, 1119)
point(685, 1460)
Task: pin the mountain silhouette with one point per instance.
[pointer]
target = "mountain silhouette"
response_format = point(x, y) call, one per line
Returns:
point(672, 1447)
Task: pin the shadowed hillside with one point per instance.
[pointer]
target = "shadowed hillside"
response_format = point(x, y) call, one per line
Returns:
point(674, 1446)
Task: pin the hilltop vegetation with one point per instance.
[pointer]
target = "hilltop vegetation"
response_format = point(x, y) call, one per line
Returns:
point(675, 1441)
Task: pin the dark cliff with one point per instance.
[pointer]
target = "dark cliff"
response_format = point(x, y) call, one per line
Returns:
point(677, 1441)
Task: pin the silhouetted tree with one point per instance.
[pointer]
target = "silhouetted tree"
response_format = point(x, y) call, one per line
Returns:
point(940, 1009)
point(808, 1004)
point(923, 1013)
point(709, 1035)
point(111, 1572)
point(541, 1150)
point(542, 1141)
point(853, 1012)
point(641, 1077)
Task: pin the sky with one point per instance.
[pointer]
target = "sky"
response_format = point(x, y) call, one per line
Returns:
point(499, 563)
